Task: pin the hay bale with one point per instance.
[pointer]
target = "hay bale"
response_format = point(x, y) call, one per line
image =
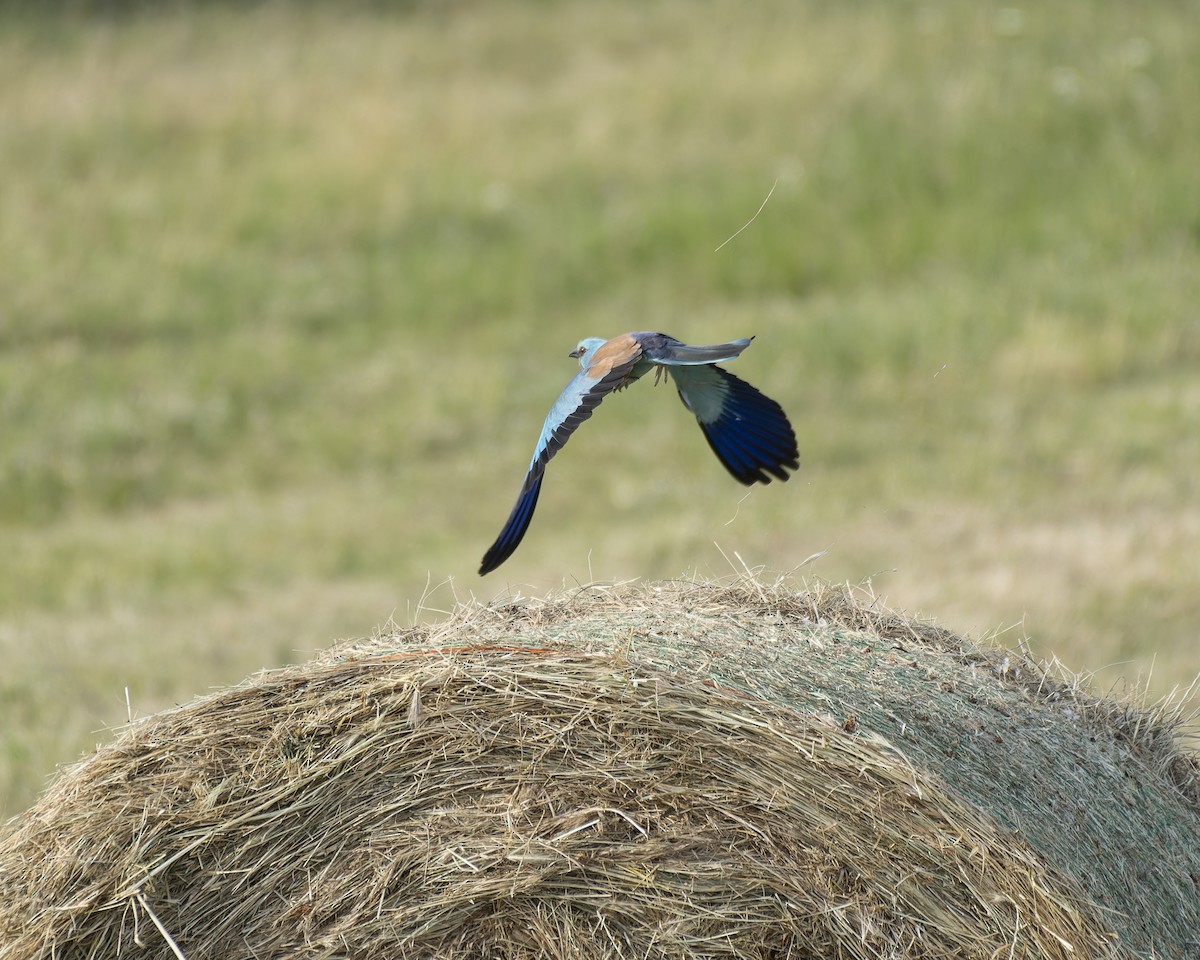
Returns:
point(674, 771)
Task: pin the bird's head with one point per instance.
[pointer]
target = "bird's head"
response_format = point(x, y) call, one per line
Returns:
point(586, 347)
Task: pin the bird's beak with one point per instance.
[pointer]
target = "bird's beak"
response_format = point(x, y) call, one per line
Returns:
point(576, 353)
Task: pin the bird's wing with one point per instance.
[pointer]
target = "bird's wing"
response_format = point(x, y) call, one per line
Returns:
point(611, 367)
point(668, 351)
point(747, 430)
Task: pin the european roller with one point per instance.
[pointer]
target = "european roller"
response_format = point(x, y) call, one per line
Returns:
point(748, 431)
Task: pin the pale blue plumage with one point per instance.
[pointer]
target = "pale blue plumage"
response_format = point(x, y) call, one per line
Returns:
point(748, 431)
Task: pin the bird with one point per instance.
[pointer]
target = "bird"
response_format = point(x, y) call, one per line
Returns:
point(747, 430)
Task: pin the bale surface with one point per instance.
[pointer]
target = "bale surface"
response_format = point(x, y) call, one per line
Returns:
point(671, 771)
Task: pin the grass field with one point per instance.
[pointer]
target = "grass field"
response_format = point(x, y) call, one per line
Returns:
point(286, 291)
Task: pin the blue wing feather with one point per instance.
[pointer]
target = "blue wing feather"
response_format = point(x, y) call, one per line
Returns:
point(574, 405)
point(670, 352)
point(746, 429)
point(514, 530)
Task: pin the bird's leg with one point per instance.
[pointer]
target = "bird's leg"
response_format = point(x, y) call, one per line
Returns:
point(660, 373)
point(631, 377)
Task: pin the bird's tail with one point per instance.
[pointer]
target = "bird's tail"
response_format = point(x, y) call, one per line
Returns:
point(683, 354)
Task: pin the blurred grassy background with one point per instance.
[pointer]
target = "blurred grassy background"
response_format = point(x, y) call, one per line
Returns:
point(287, 289)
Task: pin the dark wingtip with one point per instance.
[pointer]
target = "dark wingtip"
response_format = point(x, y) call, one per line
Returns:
point(497, 553)
point(756, 460)
point(514, 529)
point(763, 473)
point(495, 556)
point(491, 561)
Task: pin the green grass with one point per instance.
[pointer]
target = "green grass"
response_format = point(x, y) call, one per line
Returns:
point(285, 293)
